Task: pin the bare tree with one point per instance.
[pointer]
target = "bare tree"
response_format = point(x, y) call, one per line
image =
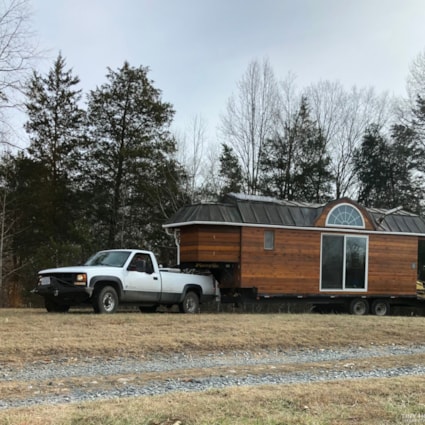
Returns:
point(17, 49)
point(191, 152)
point(343, 117)
point(251, 118)
point(18, 52)
point(416, 78)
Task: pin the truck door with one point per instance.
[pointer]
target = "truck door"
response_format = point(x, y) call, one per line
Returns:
point(142, 282)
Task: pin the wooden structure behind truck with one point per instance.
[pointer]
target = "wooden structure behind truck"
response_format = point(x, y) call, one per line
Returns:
point(339, 252)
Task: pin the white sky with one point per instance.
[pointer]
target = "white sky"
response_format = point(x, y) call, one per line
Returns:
point(197, 50)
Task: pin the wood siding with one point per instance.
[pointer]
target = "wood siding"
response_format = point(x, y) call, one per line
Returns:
point(393, 264)
point(210, 244)
point(293, 267)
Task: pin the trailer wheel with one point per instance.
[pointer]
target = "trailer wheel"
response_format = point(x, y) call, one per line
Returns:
point(380, 308)
point(359, 307)
point(106, 300)
point(190, 303)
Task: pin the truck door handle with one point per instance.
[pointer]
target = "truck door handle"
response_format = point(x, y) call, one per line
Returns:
point(155, 278)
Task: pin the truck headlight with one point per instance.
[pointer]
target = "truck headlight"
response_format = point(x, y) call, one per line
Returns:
point(81, 279)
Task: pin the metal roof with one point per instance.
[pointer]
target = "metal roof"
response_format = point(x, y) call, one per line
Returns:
point(239, 209)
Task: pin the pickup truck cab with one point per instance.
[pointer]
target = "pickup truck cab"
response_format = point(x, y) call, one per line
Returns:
point(126, 276)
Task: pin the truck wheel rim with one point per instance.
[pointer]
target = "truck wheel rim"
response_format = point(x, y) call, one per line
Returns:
point(108, 302)
point(190, 304)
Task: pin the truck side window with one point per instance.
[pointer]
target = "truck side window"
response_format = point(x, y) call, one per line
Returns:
point(149, 266)
point(141, 263)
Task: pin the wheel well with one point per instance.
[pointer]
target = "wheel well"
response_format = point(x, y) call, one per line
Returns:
point(193, 288)
point(102, 283)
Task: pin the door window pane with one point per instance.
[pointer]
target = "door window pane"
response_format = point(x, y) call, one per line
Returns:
point(344, 262)
point(332, 262)
point(355, 262)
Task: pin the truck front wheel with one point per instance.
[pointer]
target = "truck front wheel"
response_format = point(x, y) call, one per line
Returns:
point(190, 303)
point(106, 300)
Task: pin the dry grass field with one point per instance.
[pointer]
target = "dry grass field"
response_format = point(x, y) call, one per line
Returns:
point(28, 336)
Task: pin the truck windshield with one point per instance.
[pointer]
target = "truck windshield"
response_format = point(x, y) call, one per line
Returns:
point(108, 258)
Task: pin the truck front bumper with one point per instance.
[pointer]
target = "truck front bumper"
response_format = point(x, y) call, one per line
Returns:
point(64, 294)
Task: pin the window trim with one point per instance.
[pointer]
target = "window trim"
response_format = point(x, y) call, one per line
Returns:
point(344, 268)
point(345, 204)
point(272, 233)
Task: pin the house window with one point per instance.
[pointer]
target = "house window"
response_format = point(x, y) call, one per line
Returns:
point(269, 239)
point(345, 215)
point(344, 263)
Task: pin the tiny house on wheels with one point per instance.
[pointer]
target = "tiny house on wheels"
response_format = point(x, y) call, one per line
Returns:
point(340, 252)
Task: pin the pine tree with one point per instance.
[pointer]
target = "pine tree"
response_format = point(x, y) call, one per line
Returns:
point(132, 159)
point(230, 171)
point(385, 169)
point(295, 164)
point(55, 125)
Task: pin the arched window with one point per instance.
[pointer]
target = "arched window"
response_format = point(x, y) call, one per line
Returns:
point(345, 215)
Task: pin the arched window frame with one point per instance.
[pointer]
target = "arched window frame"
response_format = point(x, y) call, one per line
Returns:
point(345, 205)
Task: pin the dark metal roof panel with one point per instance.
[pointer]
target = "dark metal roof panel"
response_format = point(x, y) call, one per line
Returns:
point(256, 210)
point(206, 212)
point(402, 222)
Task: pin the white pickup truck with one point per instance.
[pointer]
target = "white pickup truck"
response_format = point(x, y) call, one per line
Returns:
point(129, 276)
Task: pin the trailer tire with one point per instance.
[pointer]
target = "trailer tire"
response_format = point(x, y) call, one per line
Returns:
point(359, 307)
point(380, 308)
point(190, 303)
point(106, 300)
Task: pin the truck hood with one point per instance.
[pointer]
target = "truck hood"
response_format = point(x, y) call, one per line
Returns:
point(83, 269)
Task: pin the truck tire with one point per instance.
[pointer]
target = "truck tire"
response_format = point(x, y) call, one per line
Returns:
point(359, 307)
point(380, 308)
point(190, 303)
point(106, 300)
point(53, 306)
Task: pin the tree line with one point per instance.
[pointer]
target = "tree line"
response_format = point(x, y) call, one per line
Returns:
point(104, 170)
point(324, 142)
point(94, 176)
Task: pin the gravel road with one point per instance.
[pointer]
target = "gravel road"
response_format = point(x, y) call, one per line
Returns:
point(95, 368)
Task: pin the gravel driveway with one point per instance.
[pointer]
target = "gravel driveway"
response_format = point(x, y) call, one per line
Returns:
point(216, 373)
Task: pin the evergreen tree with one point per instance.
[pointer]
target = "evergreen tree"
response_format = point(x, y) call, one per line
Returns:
point(385, 169)
point(230, 171)
point(55, 120)
point(295, 164)
point(55, 126)
point(132, 165)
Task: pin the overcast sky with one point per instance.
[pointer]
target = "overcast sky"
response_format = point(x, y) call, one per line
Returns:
point(197, 50)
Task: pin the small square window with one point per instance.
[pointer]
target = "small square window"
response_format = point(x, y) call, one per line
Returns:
point(269, 239)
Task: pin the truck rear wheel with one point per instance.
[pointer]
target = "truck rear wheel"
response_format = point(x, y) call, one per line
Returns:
point(359, 307)
point(106, 300)
point(380, 308)
point(190, 303)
